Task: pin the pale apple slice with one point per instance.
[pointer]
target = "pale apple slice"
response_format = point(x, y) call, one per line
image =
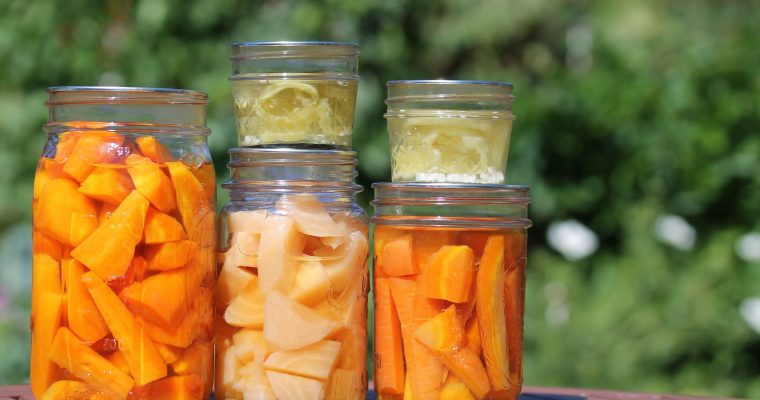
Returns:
point(312, 283)
point(247, 309)
point(246, 221)
point(246, 242)
point(232, 281)
point(310, 215)
point(280, 243)
point(289, 325)
point(235, 257)
point(250, 346)
point(292, 387)
point(313, 361)
point(255, 384)
point(230, 369)
point(342, 272)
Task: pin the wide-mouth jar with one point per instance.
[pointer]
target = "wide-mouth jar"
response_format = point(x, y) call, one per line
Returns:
point(296, 93)
point(449, 131)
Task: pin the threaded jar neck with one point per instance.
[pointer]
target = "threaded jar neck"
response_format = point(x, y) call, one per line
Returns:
point(449, 98)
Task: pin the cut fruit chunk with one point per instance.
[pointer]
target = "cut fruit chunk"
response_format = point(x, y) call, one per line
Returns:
point(344, 271)
point(472, 335)
point(345, 384)
point(92, 148)
point(247, 309)
point(161, 228)
point(310, 216)
point(444, 336)
point(84, 363)
point(280, 242)
point(450, 274)
point(194, 325)
point(117, 358)
point(170, 255)
point(45, 324)
point(84, 319)
point(389, 355)
point(291, 387)
point(312, 284)
point(454, 389)
point(232, 281)
point(290, 325)
point(46, 277)
point(148, 298)
point(145, 362)
point(353, 349)
point(181, 387)
point(151, 148)
point(152, 183)
point(170, 354)
point(47, 170)
point(427, 242)
point(106, 184)
point(250, 346)
point(68, 390)
point(227, 370)
point(109, 249)
point(246, 221)
point(398, 257)
point(313, 361)
point(44, 244)
point(489, 304)
point(194, 207)
point(254, 383)
point(64, 214)
point(422, 367)
point(197, 360)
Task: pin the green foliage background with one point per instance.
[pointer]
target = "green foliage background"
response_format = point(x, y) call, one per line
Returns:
point(626, 111)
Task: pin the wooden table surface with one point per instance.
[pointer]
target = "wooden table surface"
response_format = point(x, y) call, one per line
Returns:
point(529, 393)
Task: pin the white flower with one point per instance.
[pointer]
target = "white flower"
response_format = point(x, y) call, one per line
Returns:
point(675, 231)
point(573, 239)
point(748, 247)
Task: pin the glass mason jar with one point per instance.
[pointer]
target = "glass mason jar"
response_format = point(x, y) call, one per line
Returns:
point(449, 282)
point(123, 246)
point(298, 93)
point(293, 277)
point(449, 131)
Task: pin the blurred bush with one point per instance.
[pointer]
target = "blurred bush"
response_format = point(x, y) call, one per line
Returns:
point(637, 131)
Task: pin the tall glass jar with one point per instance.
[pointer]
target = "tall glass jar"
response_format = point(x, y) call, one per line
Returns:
point(449, 281)
point(293, 278)
point(123, 243)
point(449, 131)
point(300, 94)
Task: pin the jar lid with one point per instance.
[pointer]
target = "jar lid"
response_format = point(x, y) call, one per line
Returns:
point(121, 94)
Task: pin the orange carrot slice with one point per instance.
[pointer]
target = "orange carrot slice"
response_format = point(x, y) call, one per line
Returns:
point(398, 257)
point(151, 182)
point(44, 244)
point(197, 360)
point(151, 148)
point(489, 304)
point(160, 228)
point(46, 277)
point(83, 316)
point(181, 387)
point(84, 363)
point(64, 214)
point(444, 336)
point(45, 324)
point(145, 362)
point(450, 274)
point(389, 356)
point(193, 205)
point(514, 305)
point(92, 148)
point(109, 249)
point(170, 255)
point(414, 309)
point(109, 185)
point(427, 242)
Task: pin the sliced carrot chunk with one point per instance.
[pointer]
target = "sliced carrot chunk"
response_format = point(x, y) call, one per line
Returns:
point(160, 228)
point(398, 258)
point(427, 242)
point(44, 244)
point(389, 356)
point(444, 336)
point(414, 309)
point(181, 387)
point(83, 316)
point(450, 274)
point(46, 172)
point(92, 148)
point(64, 214)
point(46, 277)
point(151, 182)
point(197, 360)
point(109, 249)
point(109, 185)
point(170, 255)
point(151, 148)
point(489, 304)
point(514, 302)
point(149, 298)
point(191, 199)
point(84, 363)
point(145, 362)
point(45, 324)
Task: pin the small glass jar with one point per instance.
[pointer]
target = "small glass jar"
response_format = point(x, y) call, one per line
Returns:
point(449, 282)
point(293, 277)
point(123, 246)
point(449, 131)
point(302, 94)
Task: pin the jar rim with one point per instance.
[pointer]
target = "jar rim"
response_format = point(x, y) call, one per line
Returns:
point(447, 82)
point(59, 95)
point(251, 156)
point(387, 193)
point(245, 50)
